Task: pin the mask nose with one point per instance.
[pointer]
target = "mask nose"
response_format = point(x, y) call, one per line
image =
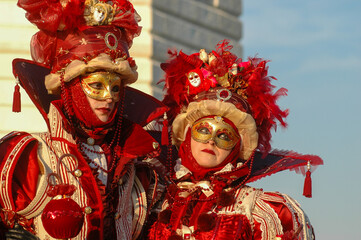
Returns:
point(108, 94)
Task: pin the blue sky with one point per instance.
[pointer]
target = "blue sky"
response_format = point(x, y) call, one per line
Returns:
point(315, 52)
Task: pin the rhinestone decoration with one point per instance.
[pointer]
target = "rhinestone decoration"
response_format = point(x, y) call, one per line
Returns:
point(224, 94)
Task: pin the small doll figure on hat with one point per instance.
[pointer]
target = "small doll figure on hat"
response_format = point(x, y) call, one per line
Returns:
point(198, 81)
point(78, 80)
point(222, 131)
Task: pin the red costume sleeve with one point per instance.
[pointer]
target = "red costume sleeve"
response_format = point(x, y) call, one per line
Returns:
point(20, 169)
point(25, 177)
point(291, 222)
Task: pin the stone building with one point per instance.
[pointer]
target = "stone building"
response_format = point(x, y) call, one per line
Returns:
point(186, 25)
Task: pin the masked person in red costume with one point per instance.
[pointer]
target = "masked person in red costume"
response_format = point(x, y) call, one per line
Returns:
point(222, 110)
point(80, 179)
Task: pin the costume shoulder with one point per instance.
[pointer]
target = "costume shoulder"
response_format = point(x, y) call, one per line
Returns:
point(10, 142)
point(279, 215)
point(19, 170)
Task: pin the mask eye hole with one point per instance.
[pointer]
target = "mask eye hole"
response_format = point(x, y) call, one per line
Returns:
point(223, 136)
point(96, 85)
point(204, 130)
point(116, 89)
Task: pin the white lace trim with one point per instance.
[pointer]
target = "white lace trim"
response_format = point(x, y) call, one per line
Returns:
point(181, 171)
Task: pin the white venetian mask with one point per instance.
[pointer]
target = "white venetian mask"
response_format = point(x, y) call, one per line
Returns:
point(194, 79)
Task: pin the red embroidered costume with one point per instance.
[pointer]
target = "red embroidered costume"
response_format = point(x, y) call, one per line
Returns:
point(81, 179)
point(232, 111)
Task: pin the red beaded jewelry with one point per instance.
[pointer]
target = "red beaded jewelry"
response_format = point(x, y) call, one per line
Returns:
point(116, 139)
point(84, 147)
point(97, 165)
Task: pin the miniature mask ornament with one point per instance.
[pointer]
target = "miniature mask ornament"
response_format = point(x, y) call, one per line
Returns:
point(214, 128)
point(194, 79)
point(99, 13)
point(102, 86)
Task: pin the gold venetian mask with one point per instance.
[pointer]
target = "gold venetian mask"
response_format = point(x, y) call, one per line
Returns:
point(102, 85)
point(214, 128)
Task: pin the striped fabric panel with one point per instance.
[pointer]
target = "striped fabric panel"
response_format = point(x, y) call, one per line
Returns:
point(264, 214)
point(125, 206)
point(301, 218)
point(5, 194)
point(140, 207)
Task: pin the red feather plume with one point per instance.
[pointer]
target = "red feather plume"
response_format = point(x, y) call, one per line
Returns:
point(175, 80)
point(263, 101)
point(250, 80)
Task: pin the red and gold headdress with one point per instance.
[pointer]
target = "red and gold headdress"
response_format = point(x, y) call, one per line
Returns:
point(81, 36)
point(219, 83)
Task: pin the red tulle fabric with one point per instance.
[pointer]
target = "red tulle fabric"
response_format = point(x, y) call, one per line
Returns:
point(58, 50)
point(45, 14)
point(199, 172)
point(43, 48)
point(51, 16)
point(64, 35)
point(127, 20)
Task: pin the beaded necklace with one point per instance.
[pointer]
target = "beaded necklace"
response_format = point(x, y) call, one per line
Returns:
point(82, 147)
point(115, 142)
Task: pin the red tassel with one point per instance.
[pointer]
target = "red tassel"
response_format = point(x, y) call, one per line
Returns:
point(165, 136)
point(307, 187)
point(17, 99)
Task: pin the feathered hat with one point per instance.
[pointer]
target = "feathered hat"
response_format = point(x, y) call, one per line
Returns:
point(219, 83)
point(81, 36)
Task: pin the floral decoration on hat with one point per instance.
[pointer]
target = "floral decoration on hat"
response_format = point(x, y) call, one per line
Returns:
point(226, 81)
